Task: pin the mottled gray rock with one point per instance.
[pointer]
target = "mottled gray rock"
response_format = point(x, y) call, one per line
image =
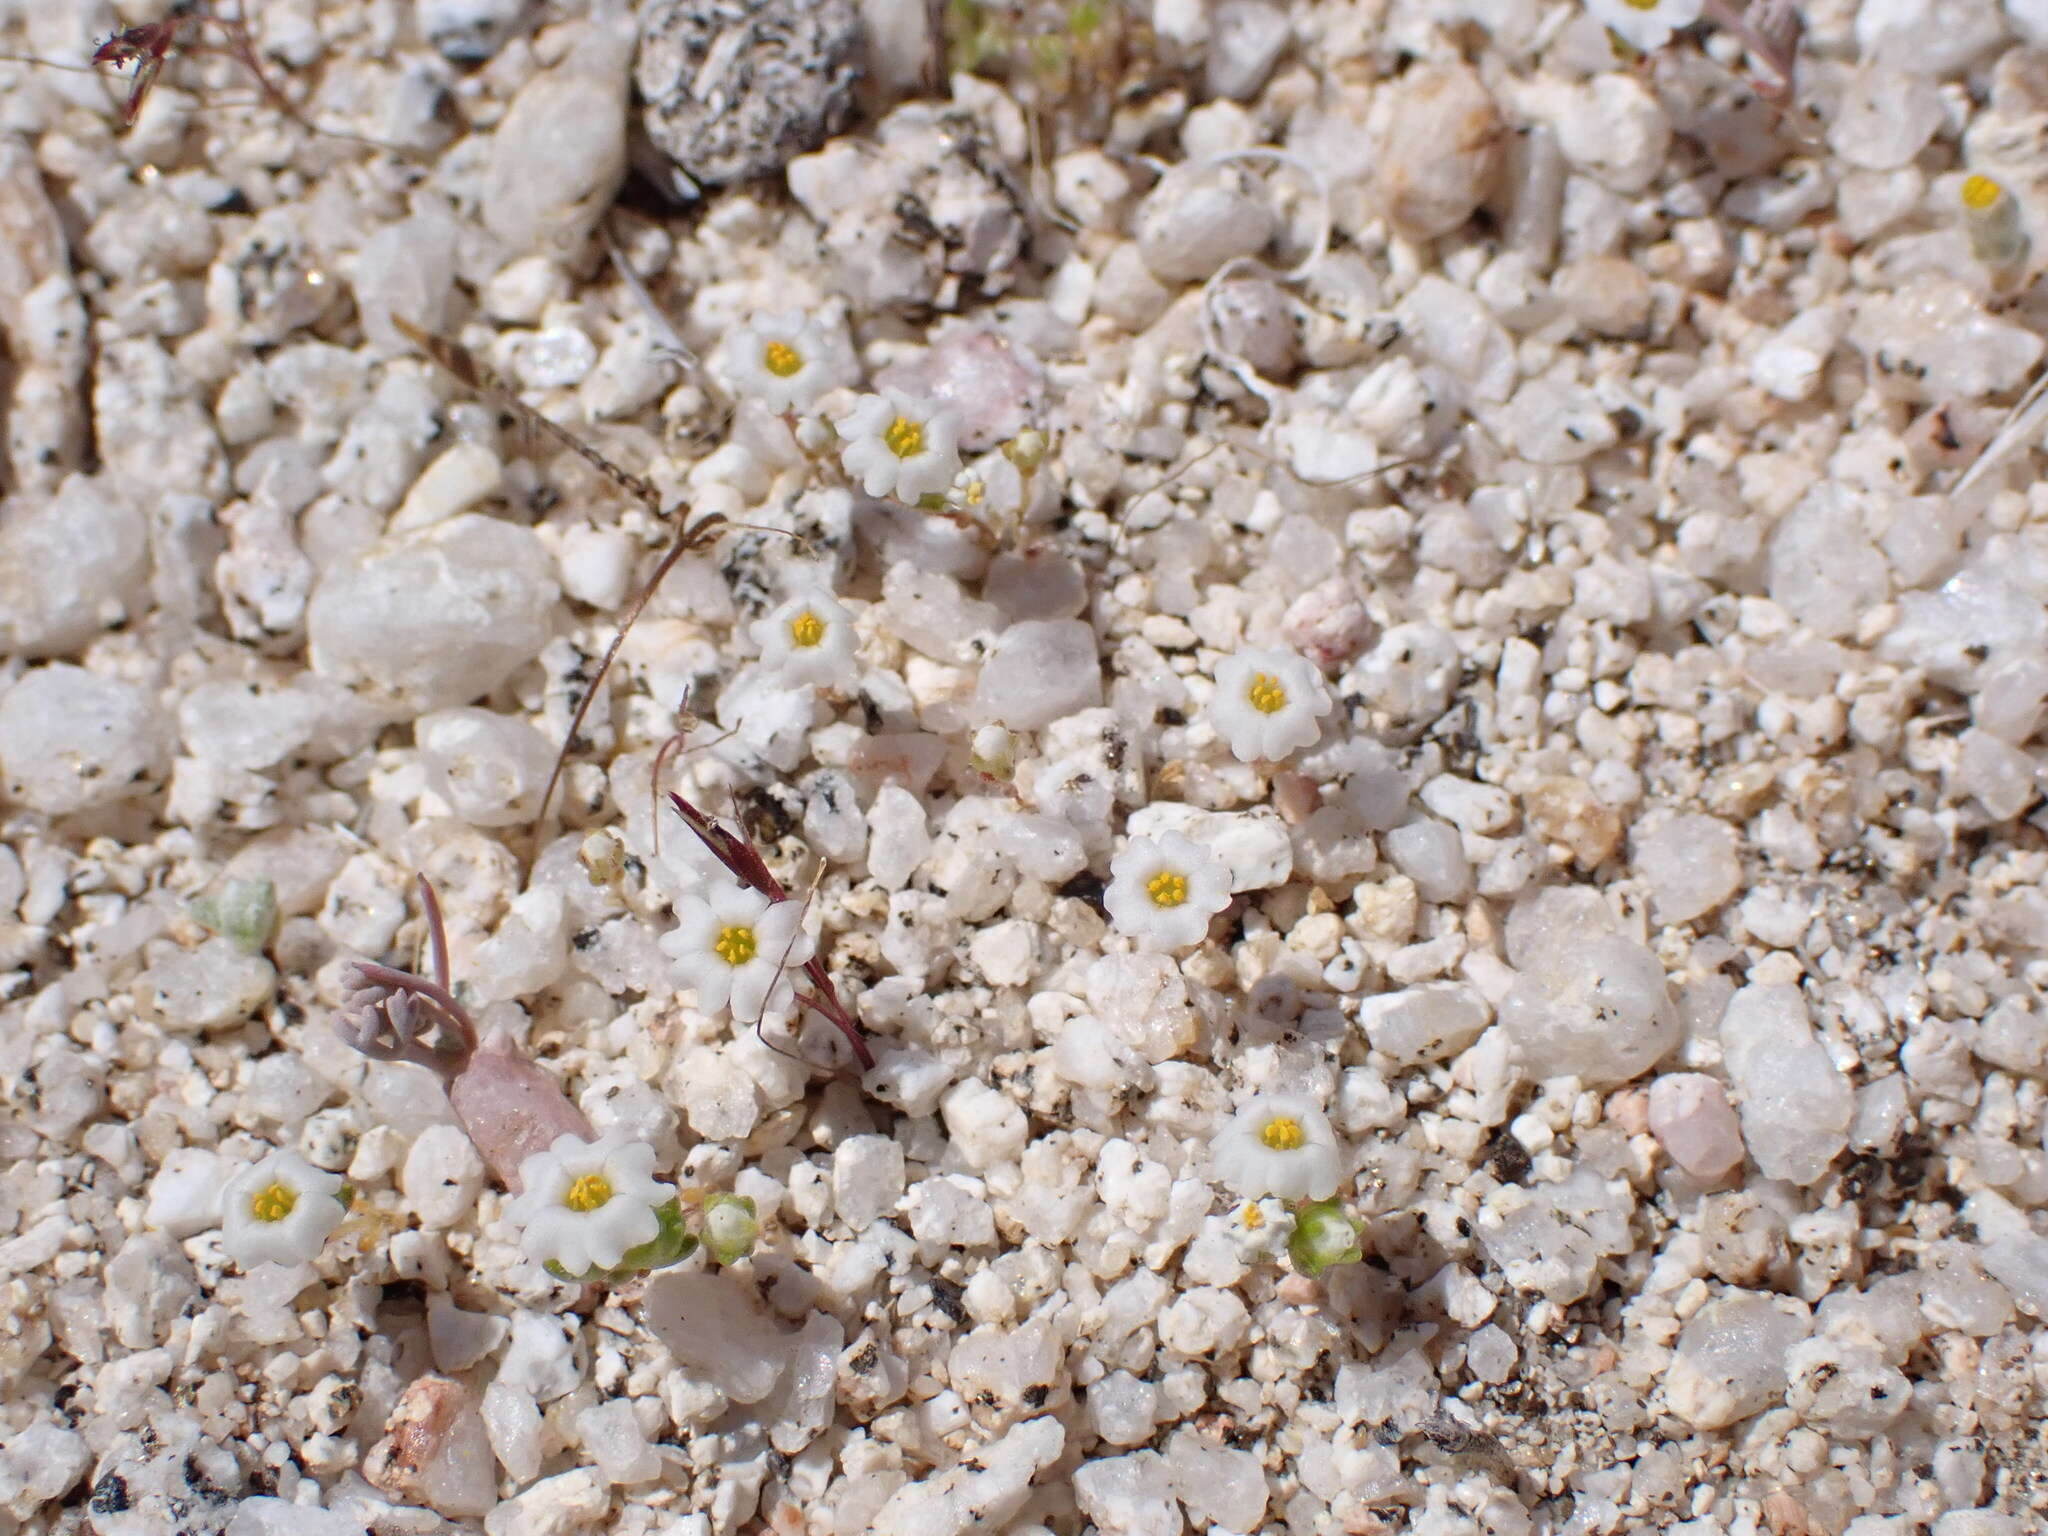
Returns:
point(739, 88)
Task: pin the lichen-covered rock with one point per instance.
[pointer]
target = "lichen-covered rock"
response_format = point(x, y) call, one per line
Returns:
point(738, 88)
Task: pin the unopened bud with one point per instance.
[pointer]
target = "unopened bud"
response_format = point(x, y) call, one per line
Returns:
point(1027, 449)
point(603, 857)
point(1324, 1234)
point(993, 753)
point(1991, 214)
point(730, 1227)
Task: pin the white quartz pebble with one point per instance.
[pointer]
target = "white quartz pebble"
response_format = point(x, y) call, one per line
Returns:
point(437, 617)
point(1040, 671)
point(71, 564)
point(1432, 1022)
point(867, 1179)
point(981, 1493)
point(1691, 1119)
point(1796, 1105)
point(1690, 862)
point(490, 768)
point(1190, 226)
point(1123, 1409)
point(1731, 1357)
point(612, 1435)
point(72, 740)
point(513, 1424)
point(443, 1176)
point(714, 1325)
point(184, 1197)
point(559, 152)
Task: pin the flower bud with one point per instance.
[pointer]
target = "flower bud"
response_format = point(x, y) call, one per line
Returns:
point(1324, 1234)
point(1991, 214)
point(1027, 450)
point(730, 1227)
point(993, 753)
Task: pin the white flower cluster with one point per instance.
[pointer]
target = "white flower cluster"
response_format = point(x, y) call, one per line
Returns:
point(1267, 704)
point(890, 444)
point(1163, 891)
point(787, 362)
point(894, 446)
point(808, 639)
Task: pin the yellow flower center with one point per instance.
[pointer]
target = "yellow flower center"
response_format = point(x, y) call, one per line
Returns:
point(905, 438)
point(1167, 889)
point(1980, 192)
point(736, 945)
point(1642, 5)
point(1265, 693)
point(1253, 1218)
point(273, 1202)
point(589, 1192)
point(806, 630)
point(781, 359)
point(1282, 1133)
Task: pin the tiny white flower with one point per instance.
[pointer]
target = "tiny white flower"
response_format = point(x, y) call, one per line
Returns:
point(583, 1204)
point(785, 361)
point(733, 947)
point(1277, 1144)
point(1267, 703)
point(809, 639)
point(895, 446)
point(1261, 1228)
point(1645, 25)
point(1163, 891)
point(279, 1211)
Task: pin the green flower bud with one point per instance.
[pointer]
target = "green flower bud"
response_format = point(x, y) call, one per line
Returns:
point(1324, 1234)
point(730, 1227)
point(245, 911)
point(1027, 449)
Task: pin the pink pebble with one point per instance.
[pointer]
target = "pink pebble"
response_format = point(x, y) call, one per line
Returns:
point(1691, 1119)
